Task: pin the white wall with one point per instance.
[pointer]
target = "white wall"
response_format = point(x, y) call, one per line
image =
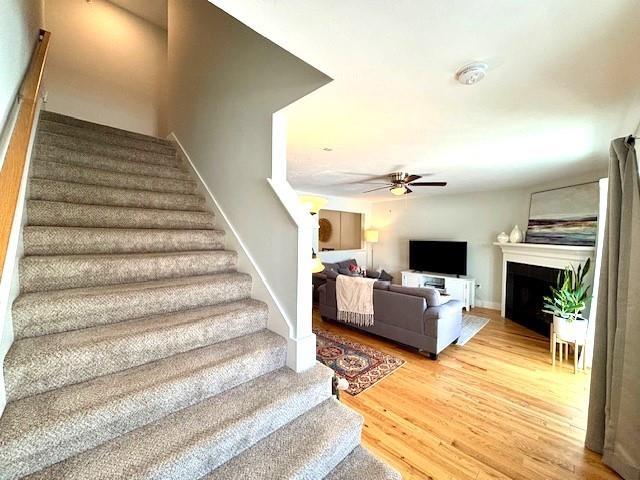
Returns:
point(476, 218)
point(20, 21)
point(106, 65)
point(225, 84)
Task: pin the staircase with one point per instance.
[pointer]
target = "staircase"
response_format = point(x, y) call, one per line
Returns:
point(138, 350)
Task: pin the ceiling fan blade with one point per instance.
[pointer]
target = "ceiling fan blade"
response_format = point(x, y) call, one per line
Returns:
point(379, 188)
point(407, 190)
point(428, 184)
point(411, 178)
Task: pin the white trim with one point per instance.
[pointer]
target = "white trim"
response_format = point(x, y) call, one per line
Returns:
point(488, 304)
point(172, 136)
point(300, 338)
point(10, 279)
point(552, 256)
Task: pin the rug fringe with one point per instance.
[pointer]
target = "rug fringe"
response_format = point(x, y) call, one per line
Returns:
point(356, 318)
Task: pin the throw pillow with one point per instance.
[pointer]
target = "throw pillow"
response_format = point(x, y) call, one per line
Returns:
point(384, 276)
point(353, 268)
point(373, 274)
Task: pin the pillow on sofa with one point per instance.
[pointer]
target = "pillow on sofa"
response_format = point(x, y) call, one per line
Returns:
point(385, 276)
point(373, 274)
point(346, 263)
point(431, 295)
point(330, 266)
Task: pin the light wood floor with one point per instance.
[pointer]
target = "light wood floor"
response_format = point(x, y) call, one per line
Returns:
point(493, 408)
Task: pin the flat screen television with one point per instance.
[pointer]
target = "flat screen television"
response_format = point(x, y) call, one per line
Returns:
point(438, 256)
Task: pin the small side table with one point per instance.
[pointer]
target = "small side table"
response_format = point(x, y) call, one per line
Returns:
point(578, 344)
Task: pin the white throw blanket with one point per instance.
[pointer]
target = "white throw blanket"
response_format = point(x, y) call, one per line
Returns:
point(354, 296)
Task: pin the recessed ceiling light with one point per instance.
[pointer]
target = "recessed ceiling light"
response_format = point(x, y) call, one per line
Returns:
point(472, 73)
point(327, 149)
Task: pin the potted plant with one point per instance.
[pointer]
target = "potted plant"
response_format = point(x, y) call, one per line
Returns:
point(567, 302)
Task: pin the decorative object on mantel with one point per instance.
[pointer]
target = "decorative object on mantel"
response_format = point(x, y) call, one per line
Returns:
point(564, 216)
point(516, 235)
point(361, 365)
point(503, 237)
point(567, 302)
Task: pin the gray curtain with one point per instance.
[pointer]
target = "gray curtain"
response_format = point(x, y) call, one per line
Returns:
point(613, 428)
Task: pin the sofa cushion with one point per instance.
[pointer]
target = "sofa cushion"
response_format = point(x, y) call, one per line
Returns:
point(347, 272)
point(431, 295)
point(332, 274)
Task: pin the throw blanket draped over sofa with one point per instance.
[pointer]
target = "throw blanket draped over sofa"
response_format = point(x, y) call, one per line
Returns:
point(354, 298)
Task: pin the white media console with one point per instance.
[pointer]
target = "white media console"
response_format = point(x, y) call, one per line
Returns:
point(460, 288)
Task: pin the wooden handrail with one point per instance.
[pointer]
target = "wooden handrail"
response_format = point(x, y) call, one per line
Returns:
point(16, 156)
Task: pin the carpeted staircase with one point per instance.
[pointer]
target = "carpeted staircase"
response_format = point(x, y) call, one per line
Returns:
point(138, 351)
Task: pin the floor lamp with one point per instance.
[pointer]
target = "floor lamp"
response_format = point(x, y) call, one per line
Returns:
point(371, 236)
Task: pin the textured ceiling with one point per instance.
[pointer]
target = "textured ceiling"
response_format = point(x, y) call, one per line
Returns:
point(563, 79)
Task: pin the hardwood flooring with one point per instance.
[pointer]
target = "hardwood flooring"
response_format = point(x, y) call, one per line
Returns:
point(494, 408)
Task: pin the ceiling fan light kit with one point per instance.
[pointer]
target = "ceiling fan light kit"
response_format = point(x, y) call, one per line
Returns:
point(399, 183)
point(398, 190)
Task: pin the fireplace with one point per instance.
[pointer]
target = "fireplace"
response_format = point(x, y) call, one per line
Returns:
point(528, 269)
point(526, 285)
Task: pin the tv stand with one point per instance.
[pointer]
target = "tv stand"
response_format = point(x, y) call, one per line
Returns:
point(460, 287)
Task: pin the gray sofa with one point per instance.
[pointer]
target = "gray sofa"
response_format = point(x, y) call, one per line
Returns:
point(411, 316)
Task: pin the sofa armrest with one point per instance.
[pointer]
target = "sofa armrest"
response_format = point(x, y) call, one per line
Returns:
point(322, 294)
point(445, 317)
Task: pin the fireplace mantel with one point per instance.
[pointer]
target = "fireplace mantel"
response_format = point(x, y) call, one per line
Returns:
point(552, 256)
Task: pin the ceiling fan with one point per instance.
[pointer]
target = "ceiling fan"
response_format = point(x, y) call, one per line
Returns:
point(398, 183)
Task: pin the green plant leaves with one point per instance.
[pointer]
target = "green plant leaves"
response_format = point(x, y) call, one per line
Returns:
point(569, 296)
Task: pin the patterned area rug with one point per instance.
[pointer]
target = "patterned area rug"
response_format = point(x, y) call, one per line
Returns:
point(471, 325)
point(361, 365)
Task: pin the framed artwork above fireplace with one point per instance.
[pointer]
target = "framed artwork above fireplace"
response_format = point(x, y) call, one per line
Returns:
point(564, 216)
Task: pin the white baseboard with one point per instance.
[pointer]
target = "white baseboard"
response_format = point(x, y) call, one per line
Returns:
point(488, 304)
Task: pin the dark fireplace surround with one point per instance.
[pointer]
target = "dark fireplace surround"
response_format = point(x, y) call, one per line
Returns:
point(525, 288)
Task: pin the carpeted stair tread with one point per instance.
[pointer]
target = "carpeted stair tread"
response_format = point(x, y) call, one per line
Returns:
point(40, 430)
point(51, 240)
point(307, 448)
point(95, 176)
point(74, 131)
point(360, 464)
point(63, 155)
point(39, 364)
point(106, 149)
point(43, 313)
point(42, 212)
point(190, 443)
point(57, 272)
point(57, 191)
point(65, 119)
